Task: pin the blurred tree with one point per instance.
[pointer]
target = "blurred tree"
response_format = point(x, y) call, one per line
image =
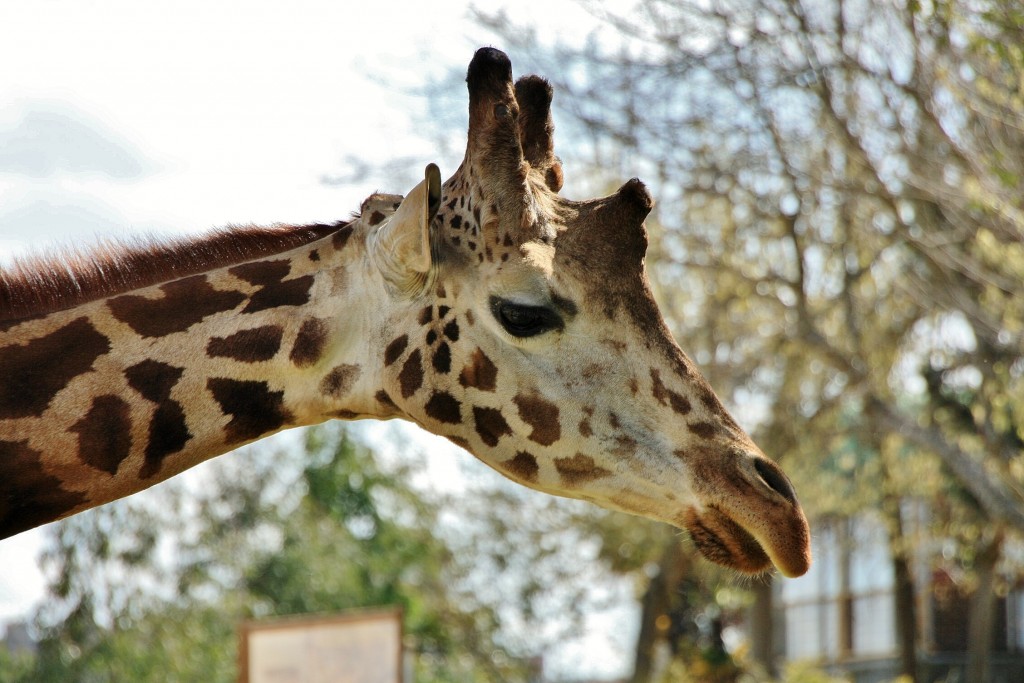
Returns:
point(139, 594)
point(840, 238)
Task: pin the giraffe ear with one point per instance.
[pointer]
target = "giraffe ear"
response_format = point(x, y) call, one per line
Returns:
point(401, 245)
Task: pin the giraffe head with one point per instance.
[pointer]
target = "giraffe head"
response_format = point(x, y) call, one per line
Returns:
point(522, 327)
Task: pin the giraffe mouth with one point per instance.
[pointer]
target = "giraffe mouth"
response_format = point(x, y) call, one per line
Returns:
point(724, 542)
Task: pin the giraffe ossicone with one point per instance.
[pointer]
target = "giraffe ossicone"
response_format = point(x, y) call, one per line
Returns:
point(487, 309)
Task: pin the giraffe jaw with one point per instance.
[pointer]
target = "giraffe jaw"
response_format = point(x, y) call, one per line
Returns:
point(723, 541)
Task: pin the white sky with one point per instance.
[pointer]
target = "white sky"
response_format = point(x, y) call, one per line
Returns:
point(206, 113)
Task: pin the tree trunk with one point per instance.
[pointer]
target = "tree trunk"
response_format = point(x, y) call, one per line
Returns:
point(651, 606)
point(762, 627)
point(905, 605)
point(904, 601)
point(655, 608)
point(981, 621)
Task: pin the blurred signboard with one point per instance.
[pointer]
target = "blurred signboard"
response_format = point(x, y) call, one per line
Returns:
point(356, 647)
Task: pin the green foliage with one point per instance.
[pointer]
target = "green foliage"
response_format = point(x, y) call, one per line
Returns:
point(135, 599)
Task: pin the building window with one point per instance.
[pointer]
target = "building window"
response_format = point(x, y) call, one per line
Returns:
point(843, 607)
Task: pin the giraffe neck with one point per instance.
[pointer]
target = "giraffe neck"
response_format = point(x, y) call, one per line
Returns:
point(111, 396)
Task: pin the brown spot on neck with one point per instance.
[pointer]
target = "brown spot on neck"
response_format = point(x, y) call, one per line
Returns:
point(184, 303)
point(410, 379)
point(248, 346)
point(309, 342)
point(340, 380)
point(34, 372)
point(153, 379)
point(255, 410)
point(274, 290)
point(104, 434)
point(29, 496)
point(168, 431)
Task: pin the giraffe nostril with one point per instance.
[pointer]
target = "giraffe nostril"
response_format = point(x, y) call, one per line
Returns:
point(775, 479)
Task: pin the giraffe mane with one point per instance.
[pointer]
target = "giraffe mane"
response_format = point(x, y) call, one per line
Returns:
point(39, 284)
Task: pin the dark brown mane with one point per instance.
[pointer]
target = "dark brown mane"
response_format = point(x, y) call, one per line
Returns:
point(38, 285)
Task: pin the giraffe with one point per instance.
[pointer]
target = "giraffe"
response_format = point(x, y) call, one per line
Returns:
point(487, 309)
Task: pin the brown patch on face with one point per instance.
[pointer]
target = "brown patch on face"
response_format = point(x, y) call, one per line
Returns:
point(704, 430)
point(490, 425)
point(522, 467)
point(617, 345)
point(34, 372)
point(376, 217)
point(578, 470)
point(470, 318)
point(104, 434)
point(666, 396)
point(451, 330)
point(309, 342)
point(540, 414)
point(715, 407)
point(444, 407)
point(480, 373)
point(339, 381)
point(314, 255)
point(255, 410)
point(184, 303)
point(410, 379)
point(442, 360)
point(585, 430)
point(168, 431)
point(28, 495)
point(426, 315)
point(394, 350)
point(247, 346)
point(624, 446)
point(340, 238)
point(274, 291)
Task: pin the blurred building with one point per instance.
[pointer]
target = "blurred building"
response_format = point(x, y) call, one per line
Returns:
point(841, 614)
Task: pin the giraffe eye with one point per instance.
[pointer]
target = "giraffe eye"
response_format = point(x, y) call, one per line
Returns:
point(521, 320)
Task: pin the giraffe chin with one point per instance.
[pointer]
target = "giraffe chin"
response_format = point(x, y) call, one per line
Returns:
point(726, 543)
